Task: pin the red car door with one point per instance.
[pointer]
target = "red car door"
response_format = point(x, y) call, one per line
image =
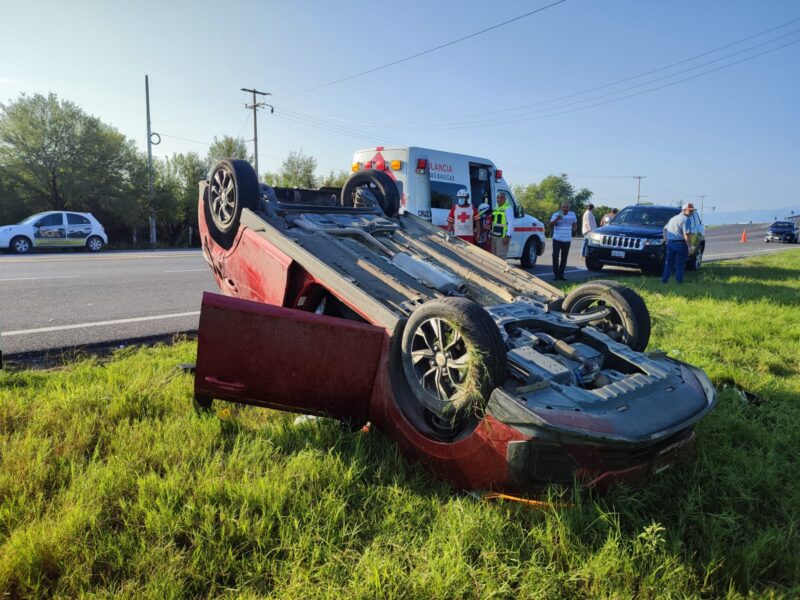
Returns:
point(286, 359)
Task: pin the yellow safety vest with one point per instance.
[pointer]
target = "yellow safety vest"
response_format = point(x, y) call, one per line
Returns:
point(499, 222)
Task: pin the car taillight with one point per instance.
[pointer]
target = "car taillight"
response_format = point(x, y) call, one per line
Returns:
point(498, 174)
point(355, 167)
point(422, 164)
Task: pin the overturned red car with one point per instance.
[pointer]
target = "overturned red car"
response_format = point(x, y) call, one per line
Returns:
point(334, 304)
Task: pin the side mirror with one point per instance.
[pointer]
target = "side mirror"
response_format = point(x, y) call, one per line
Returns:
point(519, 212)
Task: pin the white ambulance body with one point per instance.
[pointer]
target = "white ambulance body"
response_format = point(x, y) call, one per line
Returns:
point(428, 181)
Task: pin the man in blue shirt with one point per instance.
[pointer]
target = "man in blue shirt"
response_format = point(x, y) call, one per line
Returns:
point(676, 236)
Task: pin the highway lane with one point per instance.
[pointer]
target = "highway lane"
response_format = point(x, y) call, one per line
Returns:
point(58, 300)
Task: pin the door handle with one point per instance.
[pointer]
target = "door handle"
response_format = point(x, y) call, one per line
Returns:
point(230, 386)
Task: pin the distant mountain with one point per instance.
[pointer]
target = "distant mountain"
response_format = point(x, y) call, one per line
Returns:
point(746, 216)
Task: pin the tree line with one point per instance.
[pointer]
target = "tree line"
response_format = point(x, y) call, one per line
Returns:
point(54, 156)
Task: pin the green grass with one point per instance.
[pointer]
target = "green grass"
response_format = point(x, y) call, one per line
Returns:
point(111, 484)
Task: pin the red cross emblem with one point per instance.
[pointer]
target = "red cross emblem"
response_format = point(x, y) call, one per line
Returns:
point(463, 217)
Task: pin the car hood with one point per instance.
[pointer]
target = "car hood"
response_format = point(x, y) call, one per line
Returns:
point(631, 231)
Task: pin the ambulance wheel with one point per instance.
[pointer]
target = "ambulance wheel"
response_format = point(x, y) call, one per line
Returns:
point(233, 186)
point(453, 356)
point(629, 321)
point(383, 186)
point(530, 253)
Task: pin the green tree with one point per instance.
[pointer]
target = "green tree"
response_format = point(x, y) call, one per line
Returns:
point(57, 157)
point(334, 179)
point(228, 147)
point(544, 198)
point(298, 170)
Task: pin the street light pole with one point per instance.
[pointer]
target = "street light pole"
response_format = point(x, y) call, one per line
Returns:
point(153, 139)
point(702, 201)
point(639, 185)
point(255, 106)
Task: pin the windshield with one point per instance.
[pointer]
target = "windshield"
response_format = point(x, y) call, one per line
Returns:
point(645, 216)
point(782, 225)
point(31, 218)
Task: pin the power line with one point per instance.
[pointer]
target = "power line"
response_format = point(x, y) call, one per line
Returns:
point(424, 52)
point(520, 120)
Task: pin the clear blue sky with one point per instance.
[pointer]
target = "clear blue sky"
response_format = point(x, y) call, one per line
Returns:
point(732, 135)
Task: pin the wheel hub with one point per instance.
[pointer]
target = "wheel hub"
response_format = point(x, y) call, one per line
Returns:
point(441, 359)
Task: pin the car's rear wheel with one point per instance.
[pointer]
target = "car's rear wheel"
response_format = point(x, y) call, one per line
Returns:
point(20, 245)
point(629, 321)
point(94, 244)
point(383, 186)
point(232, 187)
point(530, 254)
point(453, 356)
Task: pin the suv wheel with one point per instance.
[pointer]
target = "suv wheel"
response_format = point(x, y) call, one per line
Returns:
point(695, 262)
point(233, 186)
point(530, 253)
point(593, 264)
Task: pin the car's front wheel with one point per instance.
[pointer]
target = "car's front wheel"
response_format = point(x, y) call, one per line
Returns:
point(94, 244)
point(629, 321)
point(20, 245)
point(695, 262)
point(233, 186)
point(593, 264)
point(453, 356)
point(530, 254)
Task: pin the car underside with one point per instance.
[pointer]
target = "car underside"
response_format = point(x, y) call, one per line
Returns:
point(335, 305)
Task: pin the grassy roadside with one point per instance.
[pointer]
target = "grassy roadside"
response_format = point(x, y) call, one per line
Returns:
point(110, 484)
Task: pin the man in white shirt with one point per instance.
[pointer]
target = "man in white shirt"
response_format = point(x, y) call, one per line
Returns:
point(564, 224)
point(589, 224)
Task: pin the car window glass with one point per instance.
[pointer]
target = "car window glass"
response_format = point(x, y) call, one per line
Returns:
point(53, 220)
point(74, 219)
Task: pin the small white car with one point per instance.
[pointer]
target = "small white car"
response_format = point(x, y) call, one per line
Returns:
point(54, 229)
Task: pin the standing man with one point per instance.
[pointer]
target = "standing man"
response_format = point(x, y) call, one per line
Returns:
point(676, 236)
point(485, 219)
point(502, 221)
point(608, 217)
point(564, 224)
point(589, 224)
point(463, 219)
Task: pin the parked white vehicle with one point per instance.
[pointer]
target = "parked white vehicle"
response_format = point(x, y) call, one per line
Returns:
point(54, 229)
point(428, 181)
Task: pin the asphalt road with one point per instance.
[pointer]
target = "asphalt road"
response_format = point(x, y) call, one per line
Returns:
point(60, 300)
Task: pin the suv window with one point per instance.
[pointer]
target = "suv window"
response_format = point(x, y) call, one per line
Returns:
point(73, 219)
point(53, 220)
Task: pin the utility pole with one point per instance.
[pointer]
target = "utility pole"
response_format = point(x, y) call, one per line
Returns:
point(153, 139)
point(255, 106)
point(702, 200)
point(639, 185)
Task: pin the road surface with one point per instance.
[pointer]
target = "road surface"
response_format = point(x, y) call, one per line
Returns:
point(60, 300)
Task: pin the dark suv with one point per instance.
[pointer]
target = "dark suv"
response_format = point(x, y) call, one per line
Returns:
point(635, 238)
point(782, 231)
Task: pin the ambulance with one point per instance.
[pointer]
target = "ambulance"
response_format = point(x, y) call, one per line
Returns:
point(428, 181)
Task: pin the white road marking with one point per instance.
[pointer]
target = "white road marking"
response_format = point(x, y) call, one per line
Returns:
point(98, 324)
point(187, 270)
point(33, 278)
point(88, 258)
point(743, 253)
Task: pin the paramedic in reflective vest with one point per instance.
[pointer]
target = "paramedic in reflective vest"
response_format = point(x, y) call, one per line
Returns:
point(463, 219)
point(564, 223)
point(502, 222)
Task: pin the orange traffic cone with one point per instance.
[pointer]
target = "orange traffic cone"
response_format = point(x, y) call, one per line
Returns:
point(744, 235)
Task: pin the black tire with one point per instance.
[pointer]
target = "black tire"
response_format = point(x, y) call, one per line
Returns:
point(20, 245)
point(233, 185)
point(460, 358)
point(378, 181)
point(695, 262)
point(630, 319)
point(530, 253)
point(202, 404)
point(593, 264)
point(94, 243)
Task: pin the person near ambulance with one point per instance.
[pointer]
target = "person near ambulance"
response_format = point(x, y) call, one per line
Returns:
point(588, 225)
point(463, 220)
point(502, 225)
point(564, 222)
point(485, 218)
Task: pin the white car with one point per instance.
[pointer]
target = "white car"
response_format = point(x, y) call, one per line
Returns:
point(54, 229)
